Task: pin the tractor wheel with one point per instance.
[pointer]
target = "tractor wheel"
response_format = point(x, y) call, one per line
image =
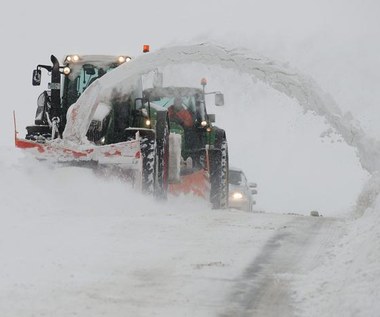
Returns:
point(162, 155)
point(219, 176)
point(148, 154)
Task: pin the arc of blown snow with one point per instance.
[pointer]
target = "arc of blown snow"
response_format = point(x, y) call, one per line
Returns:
point(283, 79)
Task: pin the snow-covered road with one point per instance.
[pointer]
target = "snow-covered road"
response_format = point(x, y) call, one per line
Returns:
point(66, 254)
point(72, 244)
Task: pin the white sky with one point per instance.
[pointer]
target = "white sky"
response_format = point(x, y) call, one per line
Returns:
point(337, 42)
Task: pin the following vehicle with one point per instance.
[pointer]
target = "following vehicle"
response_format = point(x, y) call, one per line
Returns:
point(241, 192)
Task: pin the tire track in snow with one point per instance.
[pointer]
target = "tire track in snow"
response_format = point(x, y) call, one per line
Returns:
point(264, 288)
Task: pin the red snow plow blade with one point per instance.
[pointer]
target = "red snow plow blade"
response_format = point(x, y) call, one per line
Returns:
point(127, 154)
point(197, 183)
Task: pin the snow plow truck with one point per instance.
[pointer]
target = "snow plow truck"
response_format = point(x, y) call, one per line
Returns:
point(146, 138)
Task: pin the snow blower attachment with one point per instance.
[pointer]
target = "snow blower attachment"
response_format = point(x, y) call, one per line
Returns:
point(161, 141)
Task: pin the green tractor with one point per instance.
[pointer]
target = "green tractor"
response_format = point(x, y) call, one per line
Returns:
point(188, 154)
point(199, 160)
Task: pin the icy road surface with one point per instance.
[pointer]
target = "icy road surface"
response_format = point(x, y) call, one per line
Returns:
point(77, 250)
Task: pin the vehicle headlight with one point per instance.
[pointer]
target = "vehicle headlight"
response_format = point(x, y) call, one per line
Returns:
point(72, 59)
point(123, 59)
point(66, 70)
point(237, 195)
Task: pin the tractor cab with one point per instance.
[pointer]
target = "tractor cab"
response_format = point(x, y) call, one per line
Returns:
point(188, 118)
point(68, 82)
point(82, 71)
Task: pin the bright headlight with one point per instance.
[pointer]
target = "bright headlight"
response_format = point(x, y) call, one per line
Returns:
point(66, 70)
point(203, 123)
point(72, 58)
point(123, 59)
point(237, 195)
point(147, 122)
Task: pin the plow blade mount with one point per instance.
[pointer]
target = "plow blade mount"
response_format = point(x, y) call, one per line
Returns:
point(196, 183)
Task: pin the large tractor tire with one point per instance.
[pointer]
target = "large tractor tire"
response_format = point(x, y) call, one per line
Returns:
point(162, 155)
point(218, 159)
point(148, 154)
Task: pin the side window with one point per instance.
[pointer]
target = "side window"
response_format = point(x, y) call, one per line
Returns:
point(243, 179)
point(235, 178)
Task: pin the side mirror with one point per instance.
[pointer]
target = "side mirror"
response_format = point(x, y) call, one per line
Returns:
point(138, 104)
point(211, 117)
point(219, 99)
point(36, 80)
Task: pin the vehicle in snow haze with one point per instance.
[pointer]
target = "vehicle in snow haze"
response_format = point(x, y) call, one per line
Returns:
point(161, 139)
point(241, 192)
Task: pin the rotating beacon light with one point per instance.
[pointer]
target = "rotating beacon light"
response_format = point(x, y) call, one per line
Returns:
point(146, 48)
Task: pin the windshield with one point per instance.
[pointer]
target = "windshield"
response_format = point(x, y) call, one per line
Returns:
point(188, 102)
point(191, 99)
point(235, 177)
point(82, 77)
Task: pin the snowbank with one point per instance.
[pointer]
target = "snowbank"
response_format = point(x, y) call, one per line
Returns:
point(348, 282)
